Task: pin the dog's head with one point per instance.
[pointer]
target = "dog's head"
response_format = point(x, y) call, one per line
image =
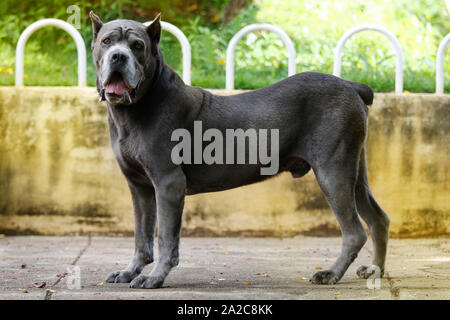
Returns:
point(126, 57)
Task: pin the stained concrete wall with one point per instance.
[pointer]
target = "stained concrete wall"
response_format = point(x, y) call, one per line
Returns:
point(58, 174)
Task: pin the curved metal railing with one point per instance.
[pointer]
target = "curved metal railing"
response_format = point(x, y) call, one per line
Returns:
point(440, 64)
point(186, 50)
point(229, 72)
point(398, 50)
point(81, 48)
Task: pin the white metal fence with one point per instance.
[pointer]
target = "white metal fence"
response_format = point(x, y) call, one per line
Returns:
point(398, 51)
point(229, 72)
point(440, 64)
point(81, 48)
point(186, 51)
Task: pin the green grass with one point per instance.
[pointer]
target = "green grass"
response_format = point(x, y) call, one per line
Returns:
point(261, 59)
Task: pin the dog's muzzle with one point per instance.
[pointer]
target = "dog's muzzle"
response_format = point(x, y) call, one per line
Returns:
point(120, 83)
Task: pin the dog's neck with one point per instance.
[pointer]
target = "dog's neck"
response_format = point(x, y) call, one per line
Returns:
point(164, 79)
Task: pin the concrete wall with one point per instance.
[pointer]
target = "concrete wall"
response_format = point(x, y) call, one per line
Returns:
point(58, 174)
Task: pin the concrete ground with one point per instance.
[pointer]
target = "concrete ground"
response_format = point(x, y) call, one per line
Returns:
point(219, 268)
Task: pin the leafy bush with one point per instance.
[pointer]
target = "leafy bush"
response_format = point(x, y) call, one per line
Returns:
point(314, 26)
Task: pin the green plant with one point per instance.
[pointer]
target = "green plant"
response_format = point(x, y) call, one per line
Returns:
point(261, 59)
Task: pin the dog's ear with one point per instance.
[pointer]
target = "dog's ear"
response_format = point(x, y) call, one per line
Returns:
point(154, 29)
point(96, 23)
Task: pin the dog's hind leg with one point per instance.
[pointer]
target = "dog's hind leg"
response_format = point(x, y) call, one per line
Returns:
point(337, 177)
point(144, 204)
point(377, 220)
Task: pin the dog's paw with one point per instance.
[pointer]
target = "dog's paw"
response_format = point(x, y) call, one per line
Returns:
point(147, 282)
point(325, 277)
point(365, 272)
point(121, 276)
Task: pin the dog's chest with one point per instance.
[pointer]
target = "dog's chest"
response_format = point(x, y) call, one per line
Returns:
point(126, 154)
point(127, 148)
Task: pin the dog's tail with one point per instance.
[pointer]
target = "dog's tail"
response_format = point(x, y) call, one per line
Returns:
point(365, 92)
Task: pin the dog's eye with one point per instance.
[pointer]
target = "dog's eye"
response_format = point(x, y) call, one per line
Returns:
point(138, 45)
point(106, 41)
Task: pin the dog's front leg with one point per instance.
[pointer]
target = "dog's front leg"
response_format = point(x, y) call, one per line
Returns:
point(144, 204)
point(170, 192)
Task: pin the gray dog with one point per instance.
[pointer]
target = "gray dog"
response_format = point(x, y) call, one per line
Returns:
point(322, 122)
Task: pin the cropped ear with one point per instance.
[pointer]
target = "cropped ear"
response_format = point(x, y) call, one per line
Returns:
point(96, 23)
point(154, 29)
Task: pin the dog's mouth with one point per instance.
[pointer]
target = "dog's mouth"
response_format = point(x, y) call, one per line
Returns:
point(116, 86)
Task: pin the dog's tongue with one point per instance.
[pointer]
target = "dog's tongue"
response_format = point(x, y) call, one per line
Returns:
point(116, 85)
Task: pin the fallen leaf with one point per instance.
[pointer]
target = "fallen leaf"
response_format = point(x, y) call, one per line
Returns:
point(318, 268)
point(40, 285)
point(23, 290)
point(247, 282)
point(395, 291)
point(213, 282)
point(301, 278)
point(336, 293)
point(265, 275)
point(100, 284)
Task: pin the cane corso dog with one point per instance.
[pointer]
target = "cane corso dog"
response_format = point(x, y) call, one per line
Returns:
point(322, 122)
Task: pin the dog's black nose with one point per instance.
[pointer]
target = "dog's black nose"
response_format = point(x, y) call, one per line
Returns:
point(118, 57)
